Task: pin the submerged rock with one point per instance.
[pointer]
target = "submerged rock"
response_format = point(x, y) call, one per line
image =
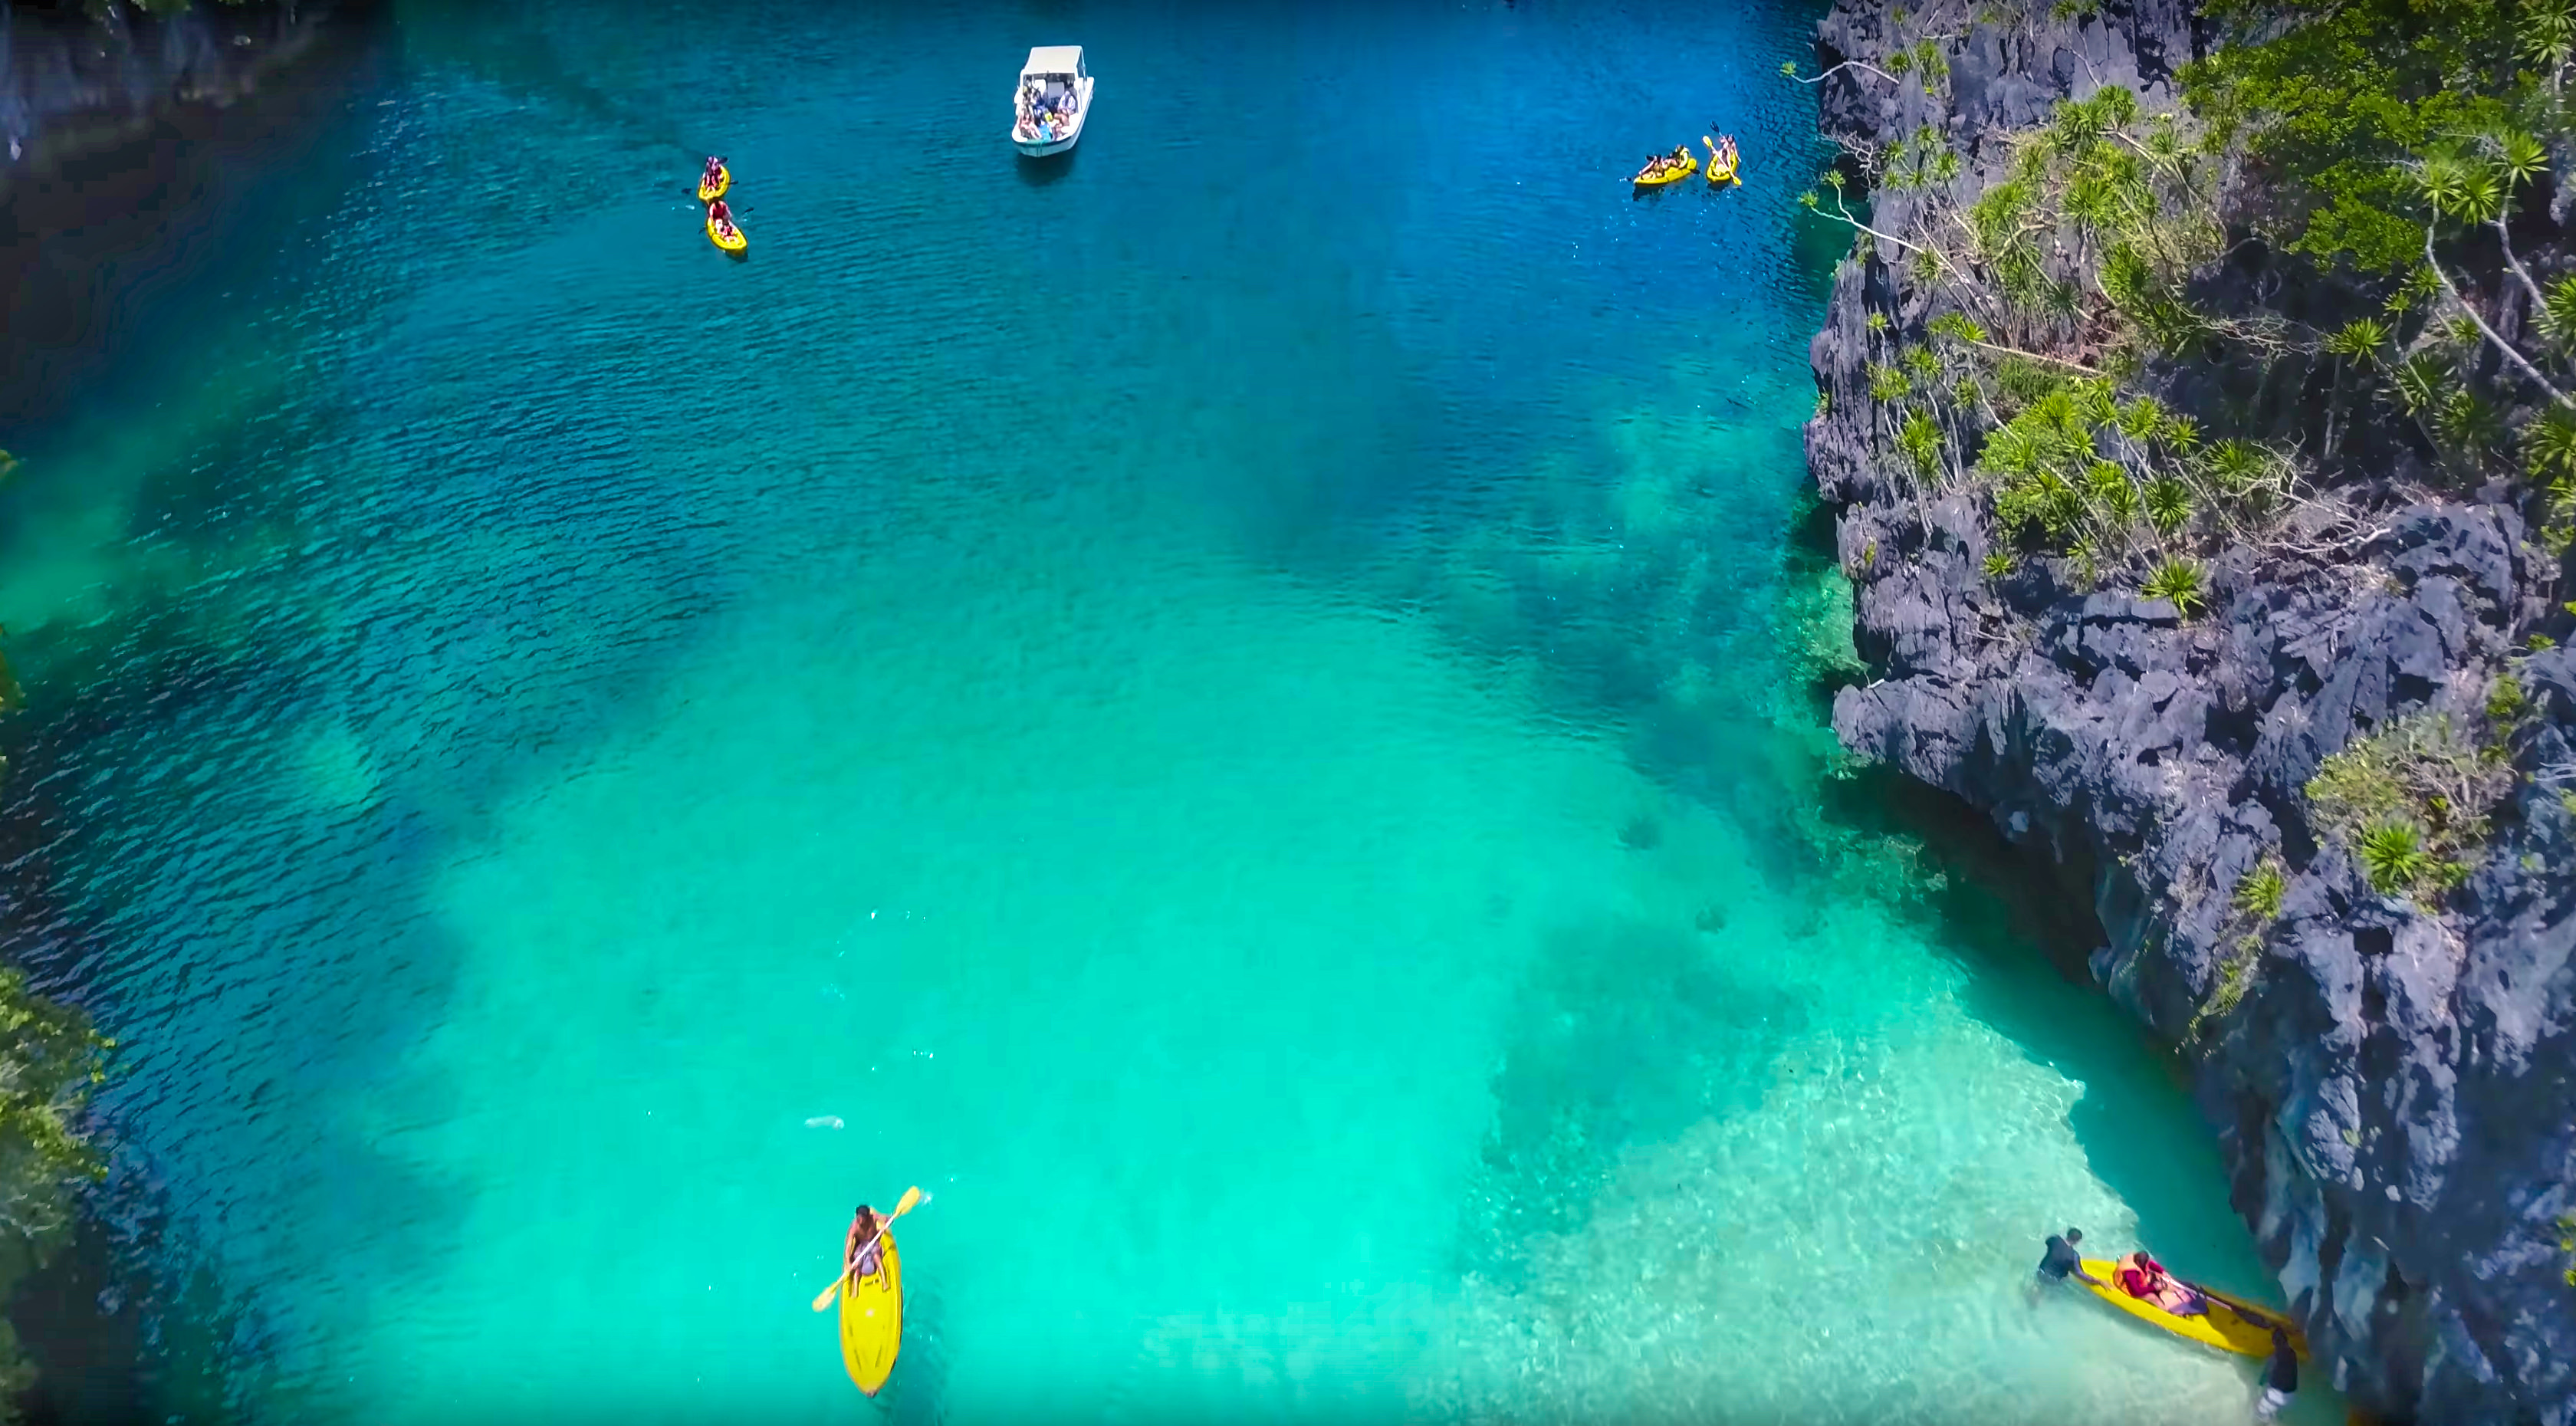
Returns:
point(2396, 1091)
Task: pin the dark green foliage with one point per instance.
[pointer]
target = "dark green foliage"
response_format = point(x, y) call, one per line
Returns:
point(2176, 581)
point(2506, 702)
point(2362, 341)
point(2392, 853)
point(2168, 503)
point(2411, 801)
point(2335, 102)
point(2134, 288)
point(2259, 893)
point(2468, 422)
point(1920, 161)
point(48, 1058)
point(2423, 382)
point(1920, 441)
point(2549, 449)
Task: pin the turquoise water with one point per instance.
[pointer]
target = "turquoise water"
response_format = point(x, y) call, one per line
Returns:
point(1236, 707)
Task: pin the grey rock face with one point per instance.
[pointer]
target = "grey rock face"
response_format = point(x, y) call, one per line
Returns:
point(2396, 1092)
point(67, 79)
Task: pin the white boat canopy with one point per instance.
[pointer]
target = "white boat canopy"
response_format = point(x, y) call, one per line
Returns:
point(1053, 62)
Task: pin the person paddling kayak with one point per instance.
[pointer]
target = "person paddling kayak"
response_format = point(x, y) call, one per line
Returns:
point(722, 217)
point(860, 1255)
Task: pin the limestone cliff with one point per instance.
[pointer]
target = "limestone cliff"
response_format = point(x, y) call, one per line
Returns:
point(2393, 1089)
point(70, 80)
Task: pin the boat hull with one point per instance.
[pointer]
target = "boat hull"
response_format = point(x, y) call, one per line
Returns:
point(2228, 1325)
point(1040, 148)
point(872, 1321)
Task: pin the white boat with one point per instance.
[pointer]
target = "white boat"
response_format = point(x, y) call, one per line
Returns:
point(1053, 101)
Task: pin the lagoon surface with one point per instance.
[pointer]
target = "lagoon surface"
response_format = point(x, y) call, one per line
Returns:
point(1244, 707)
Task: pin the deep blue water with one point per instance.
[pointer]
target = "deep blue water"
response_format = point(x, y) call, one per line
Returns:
point(1240, 706)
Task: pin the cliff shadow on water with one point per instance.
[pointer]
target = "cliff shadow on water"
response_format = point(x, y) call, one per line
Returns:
point(149, 563)
point(115, 1339)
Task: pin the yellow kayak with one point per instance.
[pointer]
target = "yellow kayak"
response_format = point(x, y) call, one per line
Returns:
point(1688, 167)
point(724, 180)
point(1718, 177)
point(2230, 1325)
point(736, 244)
point(872, 1321)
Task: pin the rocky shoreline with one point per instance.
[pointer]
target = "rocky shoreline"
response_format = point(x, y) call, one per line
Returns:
point(2394, 1087)
point(71, 84)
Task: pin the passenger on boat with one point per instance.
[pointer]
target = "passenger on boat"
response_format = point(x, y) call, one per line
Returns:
point(2145, 1278)
point(714, 173)
point(1654, 167)
point(1679, 156)
point(722, 217)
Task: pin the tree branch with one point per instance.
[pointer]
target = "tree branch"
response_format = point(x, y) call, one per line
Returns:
point(1848, 64)
point(2069, 364)
point(1843, 212)
point(2501, 344)
point(2538, 302)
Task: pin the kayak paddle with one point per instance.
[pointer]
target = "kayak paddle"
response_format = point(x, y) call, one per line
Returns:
point(2259, 1316)
point(911, 1200)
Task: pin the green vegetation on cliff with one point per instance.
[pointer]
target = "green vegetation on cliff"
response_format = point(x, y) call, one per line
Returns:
point(2399, 144)
point(2391, 160)
point(49, 1058)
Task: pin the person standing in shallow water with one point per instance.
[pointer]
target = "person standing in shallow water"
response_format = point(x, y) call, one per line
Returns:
point(2280, 1377)
point(2062, 1261)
